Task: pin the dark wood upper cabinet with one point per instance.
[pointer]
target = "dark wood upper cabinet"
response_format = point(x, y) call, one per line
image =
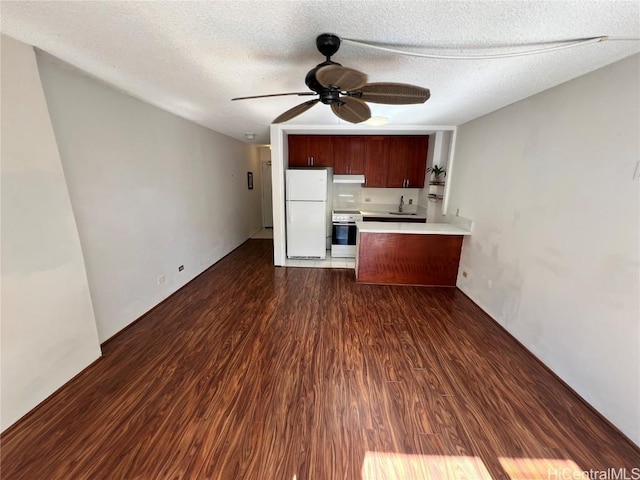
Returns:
point(376, 154)
point(357, 158)
point(310, 151)
point(398, 153)
point(407, 161)
point(417, 147)
point(341, 155)
point(298, 151)
point(396, 161)
point(348, 154)
point(321, 150)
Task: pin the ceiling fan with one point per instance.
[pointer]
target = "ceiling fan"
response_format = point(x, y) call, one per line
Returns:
point(346, 89)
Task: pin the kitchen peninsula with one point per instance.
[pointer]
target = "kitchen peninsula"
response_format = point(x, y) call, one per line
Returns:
point(397, 253)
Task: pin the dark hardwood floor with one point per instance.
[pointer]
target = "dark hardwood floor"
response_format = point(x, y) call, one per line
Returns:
point(257, 372)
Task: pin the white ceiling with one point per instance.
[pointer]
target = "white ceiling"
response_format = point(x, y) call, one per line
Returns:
point(191, 58)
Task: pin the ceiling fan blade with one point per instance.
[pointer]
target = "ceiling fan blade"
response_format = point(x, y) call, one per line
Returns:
point(352, 110)
point(295, 111)
point(300, 94)
point(392, 93)
point(342, 77)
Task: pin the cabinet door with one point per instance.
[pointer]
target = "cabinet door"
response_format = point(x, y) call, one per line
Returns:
point(376, 152)
point(416, 160)
point(321, 150)
point(299, 151)
point(348, 155)
point(398, 159)
point(356, 156)
point(341, 154)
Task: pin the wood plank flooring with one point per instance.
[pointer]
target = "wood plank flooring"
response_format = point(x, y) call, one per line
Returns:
point(257, 372)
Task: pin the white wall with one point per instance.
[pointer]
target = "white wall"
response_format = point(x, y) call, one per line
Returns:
point(554, 255)
point(48, 328)
point(438, 154)
point(150, 192)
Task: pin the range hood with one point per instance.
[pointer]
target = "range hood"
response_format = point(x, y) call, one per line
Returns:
point(359, 179)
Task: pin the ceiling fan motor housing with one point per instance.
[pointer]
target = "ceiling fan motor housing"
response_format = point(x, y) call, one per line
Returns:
point(327, 44)
point(312, 81)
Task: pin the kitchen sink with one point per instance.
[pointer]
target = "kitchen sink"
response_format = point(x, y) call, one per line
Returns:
point(401, 213)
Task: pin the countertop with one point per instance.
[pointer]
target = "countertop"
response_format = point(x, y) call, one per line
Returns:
point(371, 213)
point(415, 228)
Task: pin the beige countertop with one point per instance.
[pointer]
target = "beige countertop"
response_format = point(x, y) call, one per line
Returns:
point(413, 228)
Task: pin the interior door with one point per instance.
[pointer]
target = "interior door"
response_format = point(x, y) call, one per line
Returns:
point(267, 195)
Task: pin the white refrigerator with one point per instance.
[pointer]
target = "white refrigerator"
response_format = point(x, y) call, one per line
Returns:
point(307, 197)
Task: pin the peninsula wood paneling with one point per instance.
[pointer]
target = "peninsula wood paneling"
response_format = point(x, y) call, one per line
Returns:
point(252, 371)
point(409, 259)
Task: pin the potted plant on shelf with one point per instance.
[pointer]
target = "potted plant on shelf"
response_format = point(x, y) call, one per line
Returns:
point(438, 173)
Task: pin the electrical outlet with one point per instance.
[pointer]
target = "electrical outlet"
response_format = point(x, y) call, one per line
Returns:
point(457, 212)
point(411, 201)
point(181, 268)
point(161, 279)
point(367, 200)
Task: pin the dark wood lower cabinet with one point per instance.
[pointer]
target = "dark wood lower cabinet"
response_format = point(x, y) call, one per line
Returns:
point(409, 259)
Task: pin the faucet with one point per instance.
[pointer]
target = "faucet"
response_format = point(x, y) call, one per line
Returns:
point(401, 203)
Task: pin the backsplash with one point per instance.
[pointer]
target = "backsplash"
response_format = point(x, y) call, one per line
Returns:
point(356, 197)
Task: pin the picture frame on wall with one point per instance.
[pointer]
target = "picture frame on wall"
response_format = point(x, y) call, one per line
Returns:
point(250, 180)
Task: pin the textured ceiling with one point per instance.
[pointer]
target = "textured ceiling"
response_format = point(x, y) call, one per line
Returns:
point(191, 58)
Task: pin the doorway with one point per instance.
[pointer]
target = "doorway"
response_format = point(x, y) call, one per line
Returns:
point(267, 198)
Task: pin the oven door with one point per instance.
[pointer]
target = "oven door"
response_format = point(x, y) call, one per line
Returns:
point(343, 240)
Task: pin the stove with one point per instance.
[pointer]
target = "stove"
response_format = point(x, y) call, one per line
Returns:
point(346, 216)
point(343, 232)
